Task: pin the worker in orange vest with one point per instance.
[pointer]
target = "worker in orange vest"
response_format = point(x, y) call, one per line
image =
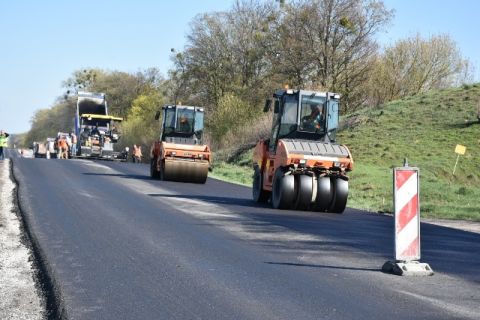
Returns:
point(62, 148)
point(137, 153)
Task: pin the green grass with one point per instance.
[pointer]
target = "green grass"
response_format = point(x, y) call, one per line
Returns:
point(424, 129)
point(240, 174)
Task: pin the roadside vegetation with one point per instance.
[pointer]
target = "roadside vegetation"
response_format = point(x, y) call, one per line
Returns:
point(233, 60)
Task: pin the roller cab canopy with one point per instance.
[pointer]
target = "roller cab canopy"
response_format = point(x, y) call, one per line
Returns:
point(182, 124)
point(304, 115)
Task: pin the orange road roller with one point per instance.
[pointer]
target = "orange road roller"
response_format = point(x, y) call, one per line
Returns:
point(179, 154)
point(300, 166)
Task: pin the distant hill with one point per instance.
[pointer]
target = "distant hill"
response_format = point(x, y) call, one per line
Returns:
point(424, 129)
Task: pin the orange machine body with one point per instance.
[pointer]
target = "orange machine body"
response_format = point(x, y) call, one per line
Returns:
point(197, 153)
point(338, 163)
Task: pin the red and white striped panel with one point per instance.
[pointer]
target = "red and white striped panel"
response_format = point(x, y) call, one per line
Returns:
point(407, 214)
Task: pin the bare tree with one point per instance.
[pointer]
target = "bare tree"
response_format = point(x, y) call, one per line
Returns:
point(225, 53)
point(329, 44)
point(415, 65)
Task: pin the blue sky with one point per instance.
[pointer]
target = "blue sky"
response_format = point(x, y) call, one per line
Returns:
point(43, 42)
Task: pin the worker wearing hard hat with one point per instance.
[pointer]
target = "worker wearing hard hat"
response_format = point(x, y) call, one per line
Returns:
point(3, 143)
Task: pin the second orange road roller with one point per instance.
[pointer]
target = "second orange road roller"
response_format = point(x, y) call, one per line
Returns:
point(180, 154)
point(301, 166)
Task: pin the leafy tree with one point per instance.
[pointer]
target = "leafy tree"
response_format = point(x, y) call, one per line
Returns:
point(225, 53)
point(120, 87)
point(225, 57)
point(48, 122)
point(230, 114)
point(256, 46)
point(81, 80)
point(141, 128)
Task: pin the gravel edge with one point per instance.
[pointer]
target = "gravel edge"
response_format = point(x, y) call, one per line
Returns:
point(20, 295)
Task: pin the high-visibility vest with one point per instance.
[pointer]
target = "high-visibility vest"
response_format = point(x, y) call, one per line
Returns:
point(3, 141)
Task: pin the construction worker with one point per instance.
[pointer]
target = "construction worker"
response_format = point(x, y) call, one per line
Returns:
point(95, 131)
point(184, 124)
point(137, 153)
point(3, 143)
point(313, 121)
point(73, 151)
point(62, 148)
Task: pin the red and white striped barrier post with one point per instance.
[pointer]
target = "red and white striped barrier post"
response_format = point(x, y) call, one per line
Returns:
point(407, 214)
point(407, 224)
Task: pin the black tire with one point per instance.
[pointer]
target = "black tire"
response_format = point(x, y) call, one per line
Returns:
point(154, 174)
point(259, 195)
point(340, 195)
point(324, 194)
point(303, 191)
point(283, 194)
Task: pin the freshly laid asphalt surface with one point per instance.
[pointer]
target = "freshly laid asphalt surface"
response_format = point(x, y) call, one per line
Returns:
point(119, 245)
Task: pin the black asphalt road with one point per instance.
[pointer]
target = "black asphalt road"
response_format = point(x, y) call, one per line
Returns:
point(121, 246)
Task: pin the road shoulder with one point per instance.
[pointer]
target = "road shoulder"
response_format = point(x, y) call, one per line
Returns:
point(470, 226)
point(19, 297)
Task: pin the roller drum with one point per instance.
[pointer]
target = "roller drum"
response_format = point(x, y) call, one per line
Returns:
point(185, 171)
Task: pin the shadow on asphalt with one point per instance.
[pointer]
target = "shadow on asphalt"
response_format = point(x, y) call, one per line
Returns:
point(213, 199)
point(126, 176)
point(321, 266)
point(447, 250)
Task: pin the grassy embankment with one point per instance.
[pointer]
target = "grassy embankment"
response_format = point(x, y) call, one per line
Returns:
point(425, 129)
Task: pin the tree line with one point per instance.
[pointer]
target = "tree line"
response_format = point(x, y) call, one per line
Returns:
point(233, 60)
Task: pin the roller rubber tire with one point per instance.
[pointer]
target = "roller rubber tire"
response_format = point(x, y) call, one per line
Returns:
point(283, 191)
point(154, 174)
point(303, 191)
point(340, 195)
point(324, 194)
point(259, 195)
